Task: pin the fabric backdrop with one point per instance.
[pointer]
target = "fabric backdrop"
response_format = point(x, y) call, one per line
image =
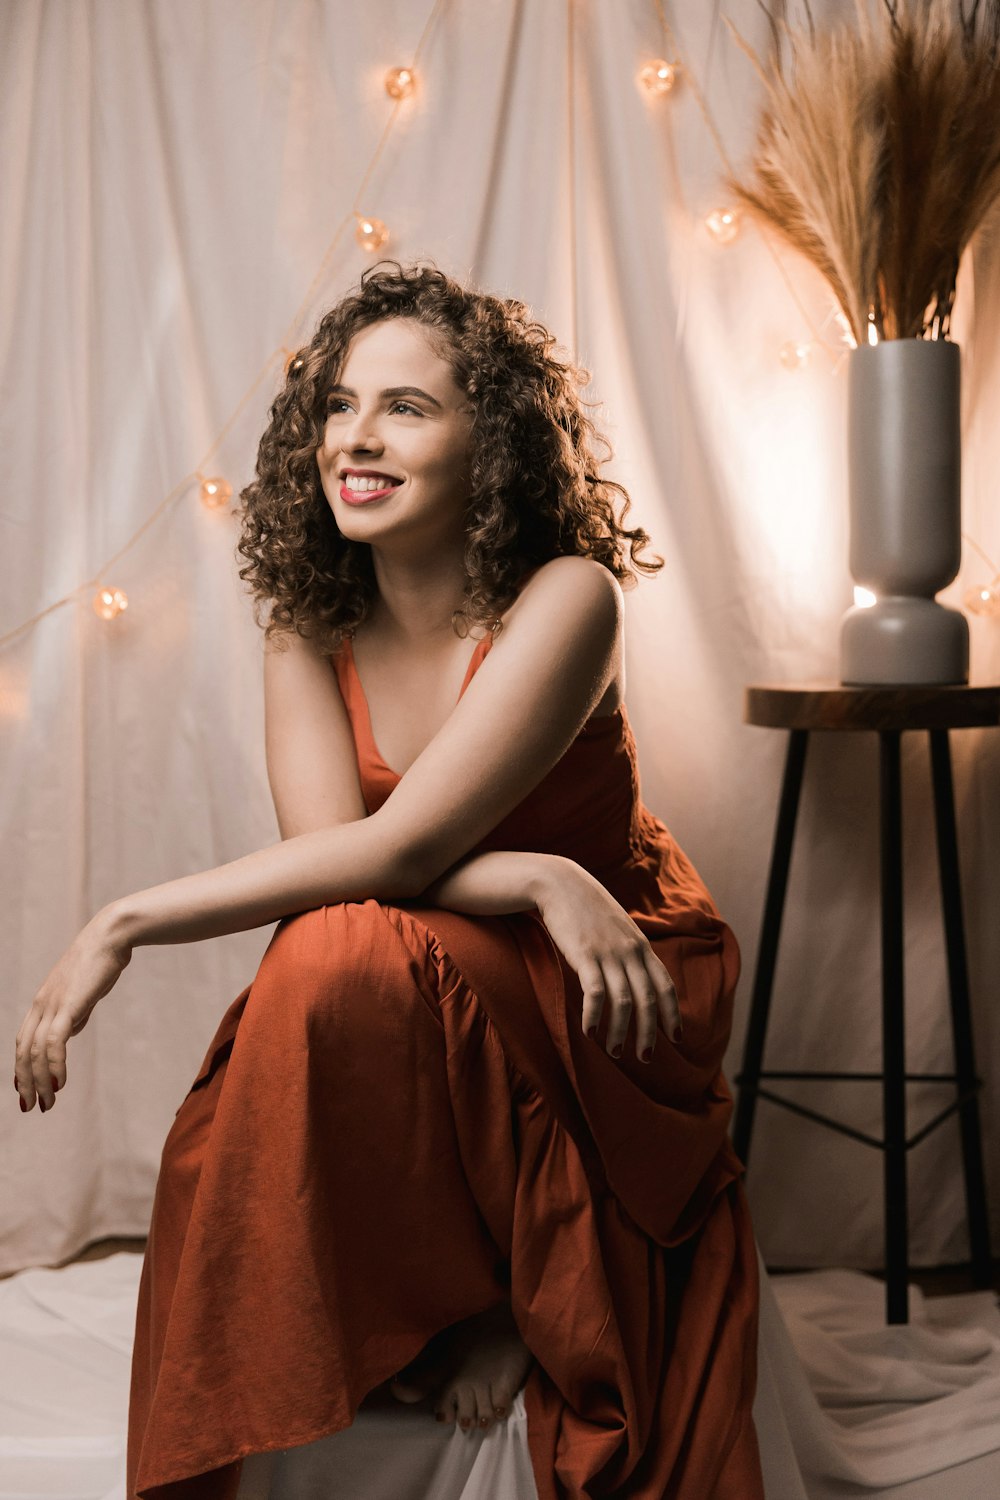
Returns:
point(177, 183)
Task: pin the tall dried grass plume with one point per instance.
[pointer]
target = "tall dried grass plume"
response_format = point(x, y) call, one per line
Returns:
point(878, 153)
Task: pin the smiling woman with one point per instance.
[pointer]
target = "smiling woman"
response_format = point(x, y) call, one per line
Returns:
point(466, 1129)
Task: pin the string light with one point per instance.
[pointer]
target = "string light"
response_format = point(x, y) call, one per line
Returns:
point(215, 492)
point(723, 224)
point(110, 602)
point(794, 356)
point(864, 598)
point(659, 77)
point(371, 234)
point(400, 83)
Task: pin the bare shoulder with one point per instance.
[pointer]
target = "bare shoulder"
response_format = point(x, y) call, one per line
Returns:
point(575, 586)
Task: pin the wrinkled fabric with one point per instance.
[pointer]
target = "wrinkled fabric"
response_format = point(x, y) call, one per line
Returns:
point(399, 1123)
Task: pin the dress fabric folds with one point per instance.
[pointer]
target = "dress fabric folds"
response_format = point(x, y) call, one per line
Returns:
point(399, 1122)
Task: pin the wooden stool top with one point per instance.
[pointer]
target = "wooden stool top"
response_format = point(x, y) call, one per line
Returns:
point(830, 705)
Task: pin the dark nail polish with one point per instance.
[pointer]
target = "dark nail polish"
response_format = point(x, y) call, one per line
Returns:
point(501, 1411)
point(55, 1084)
point(463, 1421)
point(15, 1080)
point(647, 1055)
point(484, 1421)
point(676, 1034)
point(41, 1104)
point(24, 1105)
point(592, 1030)
point(616, 1051)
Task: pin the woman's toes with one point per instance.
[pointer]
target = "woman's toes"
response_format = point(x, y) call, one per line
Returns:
point(501, 1397)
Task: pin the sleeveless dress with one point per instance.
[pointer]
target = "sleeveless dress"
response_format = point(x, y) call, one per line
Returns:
point(400, 1122)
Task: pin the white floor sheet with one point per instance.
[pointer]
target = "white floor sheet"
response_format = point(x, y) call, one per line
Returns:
point(845, 1405)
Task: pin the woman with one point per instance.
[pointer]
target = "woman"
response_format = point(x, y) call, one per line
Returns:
point(466, 1130)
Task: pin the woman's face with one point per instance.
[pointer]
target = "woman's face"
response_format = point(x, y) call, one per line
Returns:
point(416, 439)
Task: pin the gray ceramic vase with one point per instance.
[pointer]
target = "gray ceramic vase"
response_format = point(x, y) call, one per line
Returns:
point(904, 468)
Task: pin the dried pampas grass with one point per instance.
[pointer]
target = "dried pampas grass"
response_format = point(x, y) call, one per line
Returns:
point(878, 154)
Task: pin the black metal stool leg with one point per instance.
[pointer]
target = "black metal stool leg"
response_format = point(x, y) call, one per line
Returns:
point(893, 1028)
point(961, 1016)
point(777, 881)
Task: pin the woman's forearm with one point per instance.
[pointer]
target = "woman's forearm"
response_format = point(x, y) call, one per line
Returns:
point(346, 862)
point(496, 883)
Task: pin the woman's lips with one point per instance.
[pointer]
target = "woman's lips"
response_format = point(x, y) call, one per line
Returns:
point(364, 497)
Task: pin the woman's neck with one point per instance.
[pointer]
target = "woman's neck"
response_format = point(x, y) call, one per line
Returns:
point(417, 599)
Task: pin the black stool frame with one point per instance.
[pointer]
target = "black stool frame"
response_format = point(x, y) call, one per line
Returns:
point(894, 1077)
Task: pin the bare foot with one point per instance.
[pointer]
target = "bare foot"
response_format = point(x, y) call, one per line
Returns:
point(474, 1369)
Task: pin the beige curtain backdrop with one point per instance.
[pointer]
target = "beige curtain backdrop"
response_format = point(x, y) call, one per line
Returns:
point(174, 173)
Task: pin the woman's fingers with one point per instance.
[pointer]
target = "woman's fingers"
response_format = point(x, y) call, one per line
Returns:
point(631, 980)
point(592, 983)
point(40, 1056)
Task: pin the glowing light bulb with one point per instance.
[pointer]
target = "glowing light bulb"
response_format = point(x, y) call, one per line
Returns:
point(400, 83)
point(109, 602)
point(660, 76)
point(293, 361)
point(793, 355)
point(983, 601)
point(872, 330)
point(723, 224)
point(215, 492)
point(864, 598)
point(371, 234)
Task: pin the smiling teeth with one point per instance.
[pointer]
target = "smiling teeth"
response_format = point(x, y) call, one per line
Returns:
point(354, 483)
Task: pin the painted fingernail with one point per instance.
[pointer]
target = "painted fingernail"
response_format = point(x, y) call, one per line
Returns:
point(55, 1084)
point(616, 1050)
point(676, 1034)
point(501, 1411)
point(41, 1104)
point(592, 1030)
point(484, 1421)
point(647, 1055)
point(24, 1105)
point(15, 1080)
point(464, 1421)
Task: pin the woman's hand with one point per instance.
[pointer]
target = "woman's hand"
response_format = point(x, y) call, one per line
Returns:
point(615, 963)
point(88, 969)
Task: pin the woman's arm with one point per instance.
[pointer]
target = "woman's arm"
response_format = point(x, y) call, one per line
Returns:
point(613, 960)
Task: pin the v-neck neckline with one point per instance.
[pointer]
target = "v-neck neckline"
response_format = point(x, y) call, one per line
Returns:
point(482, 646)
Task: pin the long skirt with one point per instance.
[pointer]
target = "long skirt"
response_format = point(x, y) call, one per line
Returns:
point(397, 1125)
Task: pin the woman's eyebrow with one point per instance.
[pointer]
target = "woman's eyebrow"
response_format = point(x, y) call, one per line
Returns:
point(392, 390)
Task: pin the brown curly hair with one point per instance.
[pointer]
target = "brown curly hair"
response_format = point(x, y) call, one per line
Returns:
point(535, 491)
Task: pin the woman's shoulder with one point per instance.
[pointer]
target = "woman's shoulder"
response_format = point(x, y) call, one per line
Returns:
point(578, 584)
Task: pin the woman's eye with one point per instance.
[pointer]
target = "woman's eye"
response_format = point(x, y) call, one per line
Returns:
point(334, 402)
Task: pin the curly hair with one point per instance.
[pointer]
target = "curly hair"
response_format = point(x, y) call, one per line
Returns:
point(535, 492)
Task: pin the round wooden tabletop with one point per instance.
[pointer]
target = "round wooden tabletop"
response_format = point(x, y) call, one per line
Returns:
point(831, 705)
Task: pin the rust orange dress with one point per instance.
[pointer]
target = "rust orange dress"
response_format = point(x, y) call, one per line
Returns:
point(400, 1122)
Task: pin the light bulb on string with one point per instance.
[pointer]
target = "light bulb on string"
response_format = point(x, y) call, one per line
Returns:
point(400, 83)
point(215, 491)
point(794, 354)
point(371, 234)
point(723, 224)
point(983, 600)
point(864, 598)
point(293, 359)
point(109, 602)
point(659, 77)
point(872, 330)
